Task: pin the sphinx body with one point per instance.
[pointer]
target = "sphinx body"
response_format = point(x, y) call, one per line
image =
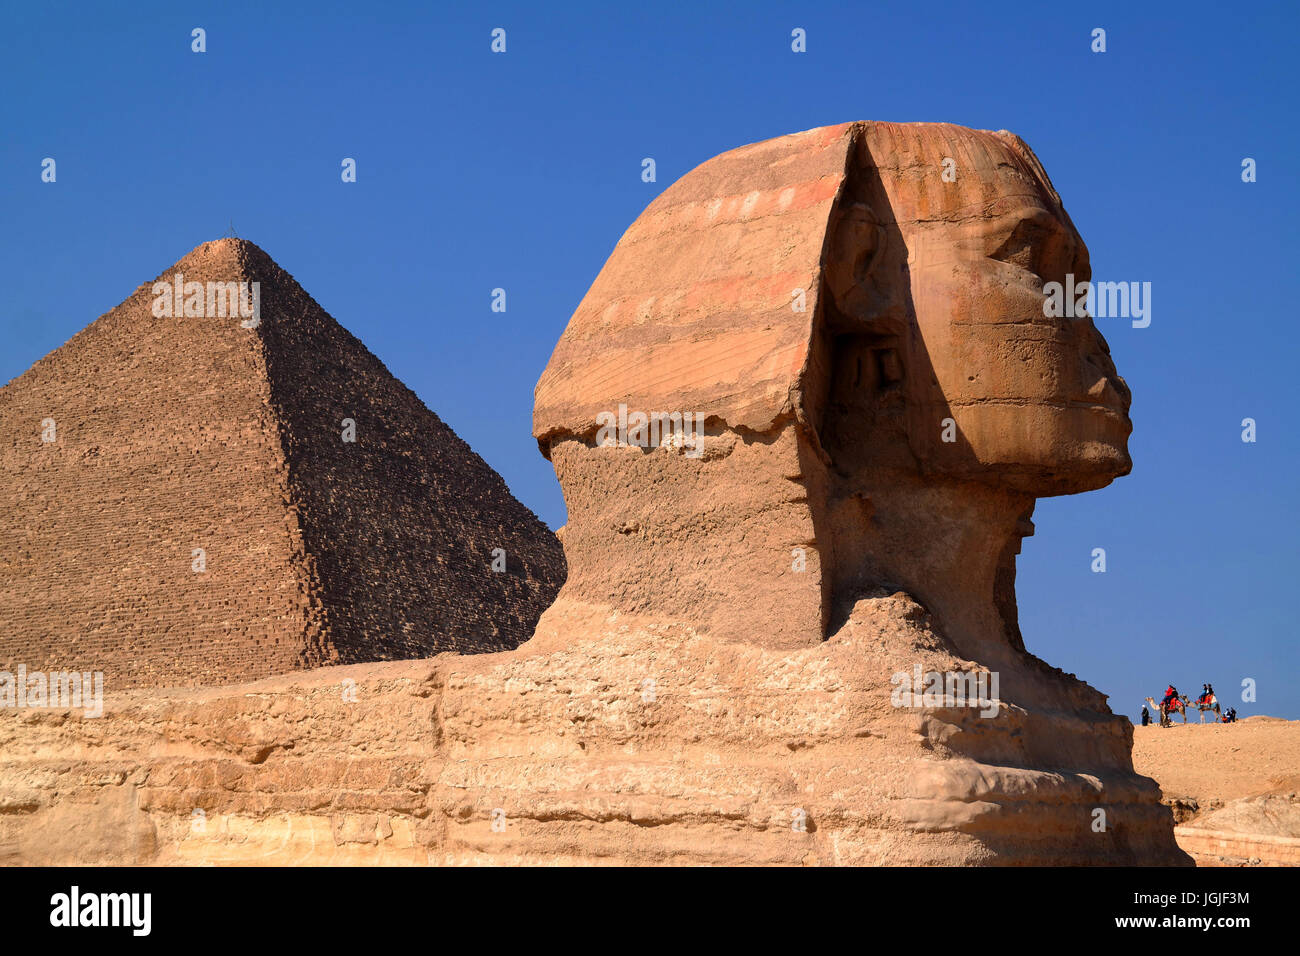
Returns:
point(855, 313)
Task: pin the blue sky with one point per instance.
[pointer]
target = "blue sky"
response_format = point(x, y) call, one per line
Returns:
point(521, 171)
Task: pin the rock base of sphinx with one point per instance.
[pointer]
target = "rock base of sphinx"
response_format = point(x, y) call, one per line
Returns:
point(636, 742)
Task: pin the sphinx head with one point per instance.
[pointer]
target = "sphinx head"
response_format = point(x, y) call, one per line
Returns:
point(857, 313)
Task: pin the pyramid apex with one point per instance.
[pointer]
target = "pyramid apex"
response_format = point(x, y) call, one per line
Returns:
point(231, 242)
point(227, 247)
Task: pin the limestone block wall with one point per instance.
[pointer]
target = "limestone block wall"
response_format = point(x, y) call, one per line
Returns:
point(1224, 848)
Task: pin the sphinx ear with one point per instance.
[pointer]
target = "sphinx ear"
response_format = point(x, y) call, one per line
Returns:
point(865, 270)
point(855, 241)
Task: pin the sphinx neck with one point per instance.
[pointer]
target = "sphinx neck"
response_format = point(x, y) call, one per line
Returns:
point(951, 545)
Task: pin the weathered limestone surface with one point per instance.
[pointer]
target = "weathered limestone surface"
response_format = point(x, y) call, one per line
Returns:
point(183, 433)
point(1259, 830)
point(567, 755)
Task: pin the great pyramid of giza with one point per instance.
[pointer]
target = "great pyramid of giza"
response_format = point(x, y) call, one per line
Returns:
point(181, 505)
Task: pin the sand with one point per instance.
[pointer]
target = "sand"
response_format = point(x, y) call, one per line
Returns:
point(1217, 763)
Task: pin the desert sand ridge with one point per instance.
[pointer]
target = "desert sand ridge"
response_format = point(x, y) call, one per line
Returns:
point(1234, 788)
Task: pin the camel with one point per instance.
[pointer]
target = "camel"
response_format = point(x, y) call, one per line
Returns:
point(1179, 706)
point(1203, 705)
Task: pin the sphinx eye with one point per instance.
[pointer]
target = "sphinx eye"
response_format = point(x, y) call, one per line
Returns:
point(1025, 245)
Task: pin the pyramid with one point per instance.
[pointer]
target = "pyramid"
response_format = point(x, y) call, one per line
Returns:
point(180, 505)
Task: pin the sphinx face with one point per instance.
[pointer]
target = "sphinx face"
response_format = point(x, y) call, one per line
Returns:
point(1036, 400)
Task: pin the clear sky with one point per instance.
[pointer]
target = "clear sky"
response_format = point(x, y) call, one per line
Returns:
point(521, 170)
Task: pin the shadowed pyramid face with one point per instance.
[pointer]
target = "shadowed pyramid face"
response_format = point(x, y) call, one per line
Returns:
point(1036, 401)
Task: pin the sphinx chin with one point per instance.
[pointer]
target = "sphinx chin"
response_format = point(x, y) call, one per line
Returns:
point(1041, 449)
point(1095, 465)
point(1095, 456)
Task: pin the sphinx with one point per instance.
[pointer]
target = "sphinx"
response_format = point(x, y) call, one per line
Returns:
point(856, 314)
